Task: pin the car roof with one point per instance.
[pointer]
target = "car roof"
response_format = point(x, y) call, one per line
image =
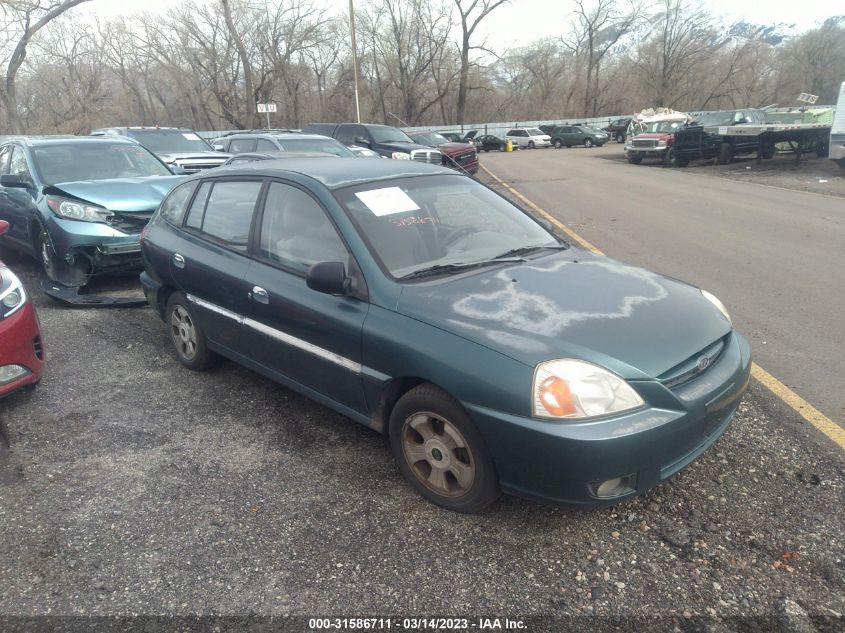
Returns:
point(277, 135)
point(139, 128)
point(333, 174)
point(37, 141)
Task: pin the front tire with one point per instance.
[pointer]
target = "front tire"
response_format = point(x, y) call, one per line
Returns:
point(558, 144)
point(668, 158)
point(726, 153)
point(681, 161)
point(588, 143)
point(634, 160)
point(620, 138)
point(530, 144)
point(188, 339)
point(441, 452)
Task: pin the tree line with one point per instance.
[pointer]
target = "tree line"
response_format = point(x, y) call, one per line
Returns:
point(206, 65)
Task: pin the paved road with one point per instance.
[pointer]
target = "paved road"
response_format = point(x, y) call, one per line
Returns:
point(776, 258)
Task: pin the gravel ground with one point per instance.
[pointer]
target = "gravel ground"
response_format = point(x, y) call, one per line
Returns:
point(135, 486)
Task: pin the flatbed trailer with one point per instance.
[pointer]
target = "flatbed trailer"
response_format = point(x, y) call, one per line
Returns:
point(798, 135)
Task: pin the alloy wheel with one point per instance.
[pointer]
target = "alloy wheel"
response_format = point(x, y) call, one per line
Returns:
point(438, 454)
point(183, 332)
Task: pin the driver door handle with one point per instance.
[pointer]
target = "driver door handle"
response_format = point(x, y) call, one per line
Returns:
point(178, 260)
point(259, 294)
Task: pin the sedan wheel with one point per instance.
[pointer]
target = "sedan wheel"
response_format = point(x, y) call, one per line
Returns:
point(187, 337)
point(588, 143)
point(558, 144)
point(440, 451)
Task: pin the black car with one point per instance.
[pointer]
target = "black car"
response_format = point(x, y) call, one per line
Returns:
point(487, 142)
point(617, 128)
point(179, 147)
point(707, 137)
point(250, 157)
point(388, 141)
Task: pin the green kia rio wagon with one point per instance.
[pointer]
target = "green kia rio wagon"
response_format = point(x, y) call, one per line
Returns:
point(495, 356)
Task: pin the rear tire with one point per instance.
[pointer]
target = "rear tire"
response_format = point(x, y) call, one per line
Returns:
point(441, 452)
point(620, 138)
point(188, 339)
point(726, 154)
point(558, 144)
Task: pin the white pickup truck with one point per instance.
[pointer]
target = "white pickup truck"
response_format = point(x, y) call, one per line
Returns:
point(837, 131)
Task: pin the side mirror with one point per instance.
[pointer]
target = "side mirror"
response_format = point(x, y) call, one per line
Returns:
point(328, 277)
point(360, 140)
point(178, 171)
point(218, 148)
point(14, 181)
point(4, 226)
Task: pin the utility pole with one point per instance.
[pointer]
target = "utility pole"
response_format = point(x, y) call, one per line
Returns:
point(354, 61)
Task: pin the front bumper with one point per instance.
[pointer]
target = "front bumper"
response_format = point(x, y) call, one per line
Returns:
point(21, 344)
point(93, 246)
point(646, 151)
point(560, 462)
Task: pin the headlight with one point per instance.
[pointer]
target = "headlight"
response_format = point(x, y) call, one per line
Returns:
point(575, 389)
point(13, 296)
point(661, 143)
point(400, 156)
point(75, 210)
point(719, 305)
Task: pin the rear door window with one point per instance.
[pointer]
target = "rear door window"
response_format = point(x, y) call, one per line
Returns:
point(263, 145)
point(5, 158)
point(242, 146)
point(173, 207)
point(228, 212)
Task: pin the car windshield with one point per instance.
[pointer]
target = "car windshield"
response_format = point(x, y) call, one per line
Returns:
point(72, 162)
point(657, 127)
point(168, 141)
point(533, 131)
point(716, 118)
point(430, 138)
point(326, 146)
point(439, 222)
point(389, 135)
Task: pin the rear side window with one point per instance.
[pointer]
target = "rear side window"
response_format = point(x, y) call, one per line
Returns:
point(241, 146)
point(263, 145)
point(173, 207)
point(223, 211)
point(5, 158)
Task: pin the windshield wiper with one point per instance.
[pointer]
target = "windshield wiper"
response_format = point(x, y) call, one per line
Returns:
point(524, 250)
point(438, 269)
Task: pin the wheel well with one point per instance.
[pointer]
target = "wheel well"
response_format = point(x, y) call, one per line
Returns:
point(390, 395)
point(163, 295)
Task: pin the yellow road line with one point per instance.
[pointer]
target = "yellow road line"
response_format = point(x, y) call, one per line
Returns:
point(795, 402)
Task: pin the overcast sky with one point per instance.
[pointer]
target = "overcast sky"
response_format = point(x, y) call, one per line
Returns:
point(522, 21)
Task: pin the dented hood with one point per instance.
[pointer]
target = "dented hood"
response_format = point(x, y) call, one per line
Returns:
point(120, 194)
point(573, 304)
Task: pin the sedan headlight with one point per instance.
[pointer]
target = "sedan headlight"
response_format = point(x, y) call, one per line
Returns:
point(719, 305)
point(400, 156)
point(12, 294)
point(575, 389)
point(76, 210)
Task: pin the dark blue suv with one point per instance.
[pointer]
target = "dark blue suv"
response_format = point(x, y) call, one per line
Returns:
point(78, 204)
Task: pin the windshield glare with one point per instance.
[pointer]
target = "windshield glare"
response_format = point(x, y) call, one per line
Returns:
point(389, 135)
point(327, 146)
point(169, 141)
point(95, 161)
point(533, 131)
point(657, 127)
point(415, 223)
point(430, 138)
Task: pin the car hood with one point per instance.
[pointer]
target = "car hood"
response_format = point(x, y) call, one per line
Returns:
point(402, 147)
point(120, 194)
point(170, 157)
point(451, 149)
point(573, 304)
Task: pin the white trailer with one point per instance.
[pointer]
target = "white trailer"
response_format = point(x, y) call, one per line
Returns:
point(837, 130)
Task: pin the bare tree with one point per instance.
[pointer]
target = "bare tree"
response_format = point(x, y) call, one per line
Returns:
point(21, 20)
point(472, 12)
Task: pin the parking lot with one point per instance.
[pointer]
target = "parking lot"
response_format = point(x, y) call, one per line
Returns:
point(138, 487)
